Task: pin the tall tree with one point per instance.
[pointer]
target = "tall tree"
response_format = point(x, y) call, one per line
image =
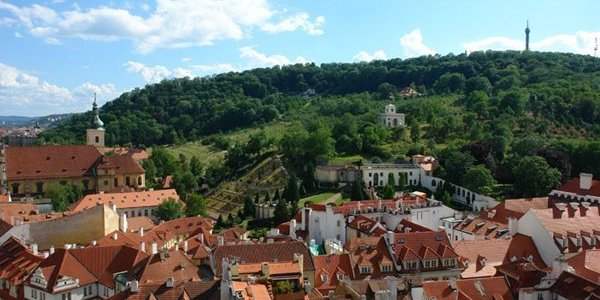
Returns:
point(281, 213)
point(169, 210)
point(291, 192)
point(534, 177)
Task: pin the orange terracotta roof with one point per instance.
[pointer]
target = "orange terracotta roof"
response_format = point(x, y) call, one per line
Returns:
point(523, 247)
point(371, 252)
point(275, 268)
point(205, 290)
point(89, 265)
point(482, 227)
point(493, 288)
point(514, 208)
point(481, 256)
point(134, 224)
point(565, 221)
point(420, 245)
point(126, 200)
point(11, 212)
point(330, 269)
point(121, 164)
point(157, 268)
point(263, 252)
point(43, 162)
point(250, 291)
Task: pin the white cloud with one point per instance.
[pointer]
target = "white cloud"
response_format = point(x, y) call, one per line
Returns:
point(366, 56)
point(258, 59)
point(214, 68)
point(18, 35)
point(150, 74)
point(494, 42)
point(24, 94)
point(413, 45)
point(580, 42)
point(295, 22)
point(172, 23)
point(186, 59)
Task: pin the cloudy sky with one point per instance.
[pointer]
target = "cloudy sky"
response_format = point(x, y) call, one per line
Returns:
point(56, 53)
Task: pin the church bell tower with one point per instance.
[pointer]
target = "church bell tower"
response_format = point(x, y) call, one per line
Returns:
point(95, 134)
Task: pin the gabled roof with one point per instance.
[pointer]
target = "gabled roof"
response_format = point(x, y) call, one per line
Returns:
point(42, 162)
point(158, 268)
point(482, 227)
point(16, 261)
point(126, 199)
point(371, 252)
point(89, 265)
point(481, 256)
point(251, 291)
point(492, 288)
point(329, 267)
point(422, 245)
point(263, 252)
point(120, 164)
point(193, 290)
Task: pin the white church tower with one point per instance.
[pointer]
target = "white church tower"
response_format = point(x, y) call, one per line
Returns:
point(391, 118)
point(95, 135)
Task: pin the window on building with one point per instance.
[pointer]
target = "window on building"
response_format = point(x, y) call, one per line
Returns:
point(97, 139)
point(42, 295)
point(86, 184)
point(63, 182)
point(365, 269)
point(105, 182)
point(370, 174)
point(85, 292)
point(427, 264)
point(127, 181)
point(89, 290)
point(34, 293)
point(339, 223)
point(145, 212)
point(116, 181)
point(39, 187)
point(139, 213)
point(15, 188)
point(140, 180)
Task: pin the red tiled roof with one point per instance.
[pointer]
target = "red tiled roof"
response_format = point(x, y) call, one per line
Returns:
point(572, 186)
point(565, 221)
point(89, 265)
point(514, 208)
point(482, 227)
point(522, 246)
point(16, 261)
point(330, 267)
point(125, 200)
point(586, 264)
point(493, 288)
point(41, 162)
point(157, 268)
point(192, 290)
point(263, 252)
point(121, 164)
point(432, 244)
point(10, 212)
point(134, 224)
point(474, 251)
point(371, 252)
point(250, 291)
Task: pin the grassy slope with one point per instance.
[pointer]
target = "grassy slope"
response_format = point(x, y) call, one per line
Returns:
point(208, 153)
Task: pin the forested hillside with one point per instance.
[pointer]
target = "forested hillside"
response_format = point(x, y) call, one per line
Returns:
point(485, 115)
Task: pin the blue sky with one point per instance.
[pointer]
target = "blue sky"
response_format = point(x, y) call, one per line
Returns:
point(56, 53)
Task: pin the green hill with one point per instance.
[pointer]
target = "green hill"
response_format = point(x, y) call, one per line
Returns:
point(486, 108)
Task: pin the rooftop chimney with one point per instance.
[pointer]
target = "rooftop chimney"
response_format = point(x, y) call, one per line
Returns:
point(142, 231)
point(134, 286)
point(557, 210)
point(220, 240)
point(51, 250)
point(34, 249)
point(170, 282)
point(94, 243)
point(143, 246)
point(585, 181)
point(123, 223)
point(185, 246)
point(115, 236)
point(201, 238)
point(154, 248)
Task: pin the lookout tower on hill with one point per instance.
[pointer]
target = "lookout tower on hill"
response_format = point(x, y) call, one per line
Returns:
point(95, 134)
point(527, 31)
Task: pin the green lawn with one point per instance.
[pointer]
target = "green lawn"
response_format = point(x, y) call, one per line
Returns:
point(208, 153)
point(318, 198)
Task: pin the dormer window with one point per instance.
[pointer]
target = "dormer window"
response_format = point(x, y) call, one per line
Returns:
point(365, 269)
point(324, 278)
